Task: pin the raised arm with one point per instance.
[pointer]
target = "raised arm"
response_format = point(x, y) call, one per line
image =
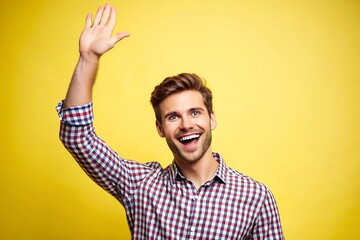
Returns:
point(96, 39)
point(77, 132)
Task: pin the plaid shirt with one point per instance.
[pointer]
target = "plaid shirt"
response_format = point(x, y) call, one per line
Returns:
point(162, 203)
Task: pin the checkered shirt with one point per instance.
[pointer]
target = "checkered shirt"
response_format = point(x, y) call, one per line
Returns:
point(161, 203)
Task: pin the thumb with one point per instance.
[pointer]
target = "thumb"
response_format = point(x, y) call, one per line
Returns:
point(115, 39)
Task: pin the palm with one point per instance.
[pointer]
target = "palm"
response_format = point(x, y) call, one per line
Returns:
point(96, 40)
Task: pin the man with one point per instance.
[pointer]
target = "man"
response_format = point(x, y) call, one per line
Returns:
point(197, 196)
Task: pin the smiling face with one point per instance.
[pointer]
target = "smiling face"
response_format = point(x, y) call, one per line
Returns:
point(186, 126)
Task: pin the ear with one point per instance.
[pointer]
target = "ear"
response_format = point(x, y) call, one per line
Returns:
point(159, 129)
point(213, 121)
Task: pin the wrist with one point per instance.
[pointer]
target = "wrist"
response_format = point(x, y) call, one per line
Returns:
point(89, 58)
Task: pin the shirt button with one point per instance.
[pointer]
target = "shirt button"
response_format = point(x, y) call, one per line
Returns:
point(192, 229)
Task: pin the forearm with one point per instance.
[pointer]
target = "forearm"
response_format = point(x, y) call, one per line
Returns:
point(82, 82)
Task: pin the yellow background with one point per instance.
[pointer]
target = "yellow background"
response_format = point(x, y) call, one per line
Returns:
point(285, 78)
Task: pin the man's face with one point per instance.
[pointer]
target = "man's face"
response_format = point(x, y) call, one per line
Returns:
point(186, 125)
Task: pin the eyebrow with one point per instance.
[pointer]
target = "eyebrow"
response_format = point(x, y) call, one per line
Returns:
point(196, 109)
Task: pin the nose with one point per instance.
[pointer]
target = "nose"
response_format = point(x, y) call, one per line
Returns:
point(186, 123)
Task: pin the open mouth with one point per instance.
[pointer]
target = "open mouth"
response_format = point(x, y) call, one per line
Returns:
point(189, 139)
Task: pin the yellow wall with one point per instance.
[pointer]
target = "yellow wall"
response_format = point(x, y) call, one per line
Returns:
point(285, 75)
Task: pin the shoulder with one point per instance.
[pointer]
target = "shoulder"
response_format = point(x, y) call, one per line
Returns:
point(154, 166)
point(245, 185)
point(149, 167)
point(237, 181)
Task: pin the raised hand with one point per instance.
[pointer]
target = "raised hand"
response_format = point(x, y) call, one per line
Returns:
point(95, 40)
point(97, 36)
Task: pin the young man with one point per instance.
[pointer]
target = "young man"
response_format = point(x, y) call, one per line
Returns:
point(197, 196)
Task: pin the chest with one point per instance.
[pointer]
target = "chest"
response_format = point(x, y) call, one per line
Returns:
point(177, 211)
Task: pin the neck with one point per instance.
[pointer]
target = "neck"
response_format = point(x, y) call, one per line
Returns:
point(199, 172)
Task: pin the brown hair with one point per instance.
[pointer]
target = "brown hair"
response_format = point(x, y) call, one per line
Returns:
point(179, 83)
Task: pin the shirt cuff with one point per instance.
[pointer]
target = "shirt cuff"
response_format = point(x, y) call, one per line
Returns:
point(78, 116)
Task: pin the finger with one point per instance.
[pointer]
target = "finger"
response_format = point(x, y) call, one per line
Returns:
point(115, 39)
point(112, 20)
point(105, 14)
point(98, 15)
point(88, 21)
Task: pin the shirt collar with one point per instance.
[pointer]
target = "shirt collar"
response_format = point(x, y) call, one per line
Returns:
point(175, 173)
point(221, 172)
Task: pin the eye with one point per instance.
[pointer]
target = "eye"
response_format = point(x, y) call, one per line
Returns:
point(172, 117)
point(195, 113)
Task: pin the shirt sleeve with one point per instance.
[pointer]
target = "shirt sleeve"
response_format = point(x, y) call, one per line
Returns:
point(268, 224)
point(118, 176)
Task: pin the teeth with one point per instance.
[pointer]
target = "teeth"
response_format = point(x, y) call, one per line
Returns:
point(189, 137)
